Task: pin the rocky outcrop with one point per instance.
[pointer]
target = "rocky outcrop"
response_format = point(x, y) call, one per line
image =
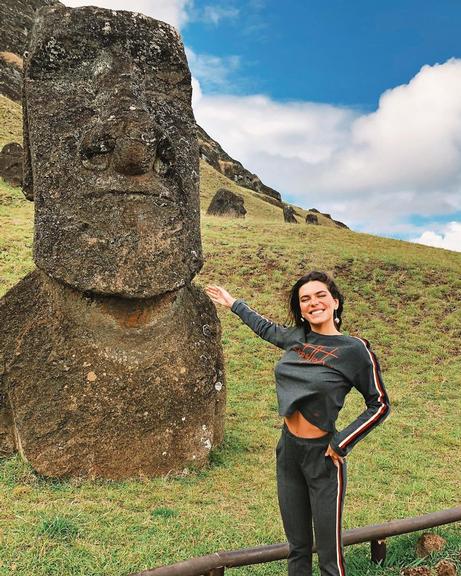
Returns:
point(111, 359)
point(445, 568)
point(211, 152)
point(341, 224)
point(11, 164)
point(17, 17)
point(226, 203)
point(312, 218)
point(428, 543)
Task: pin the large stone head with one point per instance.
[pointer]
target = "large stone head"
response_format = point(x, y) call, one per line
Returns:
point(111, 152)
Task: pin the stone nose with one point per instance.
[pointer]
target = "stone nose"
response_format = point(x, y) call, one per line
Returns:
point(130, 146)
point(135, 150)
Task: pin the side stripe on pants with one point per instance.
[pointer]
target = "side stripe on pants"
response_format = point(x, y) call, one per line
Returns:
point(339, 498)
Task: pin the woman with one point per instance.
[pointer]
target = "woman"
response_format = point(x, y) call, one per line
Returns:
point(319, 367)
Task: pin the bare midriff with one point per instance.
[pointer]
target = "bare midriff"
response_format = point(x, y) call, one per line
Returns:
point(299, 426)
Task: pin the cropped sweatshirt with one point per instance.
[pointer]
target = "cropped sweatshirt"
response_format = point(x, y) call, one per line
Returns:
point(317, 371)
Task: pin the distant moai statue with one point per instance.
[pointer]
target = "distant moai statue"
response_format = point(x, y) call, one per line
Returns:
point(289, 214)
point(112, 364)
point(227, 203)
point(312, 219)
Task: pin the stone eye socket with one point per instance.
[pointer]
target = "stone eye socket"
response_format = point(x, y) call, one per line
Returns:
point(164, 161)
point(54, 57)
point(95, 152)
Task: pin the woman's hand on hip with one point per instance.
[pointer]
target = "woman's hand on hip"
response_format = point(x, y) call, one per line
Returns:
point(219, 295)
point(334, 456)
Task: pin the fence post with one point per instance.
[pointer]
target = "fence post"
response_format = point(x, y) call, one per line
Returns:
point(378, 551)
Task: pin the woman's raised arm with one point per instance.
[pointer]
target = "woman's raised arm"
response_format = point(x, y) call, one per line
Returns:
point(274, 333)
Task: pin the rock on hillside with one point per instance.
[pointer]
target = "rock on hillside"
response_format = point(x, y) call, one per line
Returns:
point(16, 17)
point(211, 152)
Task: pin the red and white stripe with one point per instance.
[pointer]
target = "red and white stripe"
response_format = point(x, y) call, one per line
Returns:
point(382, 409)
point(339, 498)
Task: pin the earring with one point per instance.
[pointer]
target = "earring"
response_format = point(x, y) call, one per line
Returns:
point(302, 319)
point(335, 316)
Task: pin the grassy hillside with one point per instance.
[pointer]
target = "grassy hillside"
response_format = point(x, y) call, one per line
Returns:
point(10, 121)
point(258, 208)
point(403, 297)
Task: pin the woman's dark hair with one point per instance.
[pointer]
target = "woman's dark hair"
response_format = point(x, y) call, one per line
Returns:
point(295, 310)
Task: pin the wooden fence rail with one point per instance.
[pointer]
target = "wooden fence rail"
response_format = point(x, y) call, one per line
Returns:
point(376, 534)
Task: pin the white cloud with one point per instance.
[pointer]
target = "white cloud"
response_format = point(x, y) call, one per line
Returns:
point(196, 91)
point(214, 14)
point(174, 12)
point(449, 238)
point(213, 72)
point(370, 170)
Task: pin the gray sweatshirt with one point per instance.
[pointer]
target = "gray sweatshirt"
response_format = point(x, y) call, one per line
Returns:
point(317, 371)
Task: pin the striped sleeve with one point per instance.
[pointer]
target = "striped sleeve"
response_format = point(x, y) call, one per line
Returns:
point(274, 333)
point(369, 383)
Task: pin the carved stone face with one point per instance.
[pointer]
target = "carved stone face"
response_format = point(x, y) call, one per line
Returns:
point(111, 152)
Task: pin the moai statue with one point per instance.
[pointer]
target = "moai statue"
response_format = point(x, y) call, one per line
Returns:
point(289, 214)
point(112, 362)
point(227, 203)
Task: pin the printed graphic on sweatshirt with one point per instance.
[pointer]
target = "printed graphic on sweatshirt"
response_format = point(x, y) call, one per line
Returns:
point(316, 353)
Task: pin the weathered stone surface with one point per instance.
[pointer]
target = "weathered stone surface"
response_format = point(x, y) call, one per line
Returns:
point(16, 17)
point(111, 363)
point(111, 387)
point(445, 568)
point(428, 543)
point(289, 215)
point(111, 154)
point(226, 203)
point(312, 219)
point(7, 442)
point(212, 152)
point(416, 571)
point(11, 163)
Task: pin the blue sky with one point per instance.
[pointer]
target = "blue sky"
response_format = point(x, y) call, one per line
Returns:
point(335, 51)
point(350, 107)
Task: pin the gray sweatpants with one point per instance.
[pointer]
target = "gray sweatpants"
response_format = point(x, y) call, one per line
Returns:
point(311, 489)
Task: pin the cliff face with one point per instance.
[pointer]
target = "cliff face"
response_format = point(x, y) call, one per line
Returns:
point(211, 152)
point(16, 17)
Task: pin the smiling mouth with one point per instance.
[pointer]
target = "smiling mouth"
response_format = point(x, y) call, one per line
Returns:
point(317, 312)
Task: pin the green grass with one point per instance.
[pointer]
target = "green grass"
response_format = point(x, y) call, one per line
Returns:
point(10, 121)
point(403, 297)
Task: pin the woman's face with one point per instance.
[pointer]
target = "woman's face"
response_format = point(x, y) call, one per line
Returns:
point(317, 304)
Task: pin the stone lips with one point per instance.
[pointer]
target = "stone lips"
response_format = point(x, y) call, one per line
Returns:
point(111, 152)
point(110, 387)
